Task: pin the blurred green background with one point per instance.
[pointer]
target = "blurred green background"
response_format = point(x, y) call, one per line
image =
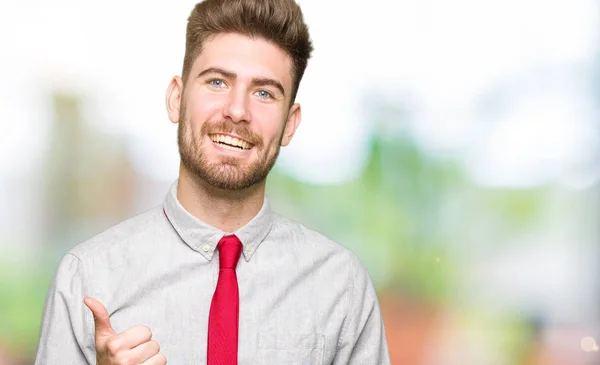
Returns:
point(452, 145)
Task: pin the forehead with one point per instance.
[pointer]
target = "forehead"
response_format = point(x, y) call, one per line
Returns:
point(246, 57)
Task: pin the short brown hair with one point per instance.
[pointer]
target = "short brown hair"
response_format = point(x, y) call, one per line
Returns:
point(277, 21)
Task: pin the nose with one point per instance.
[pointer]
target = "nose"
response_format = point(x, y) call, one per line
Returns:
point(236, 107)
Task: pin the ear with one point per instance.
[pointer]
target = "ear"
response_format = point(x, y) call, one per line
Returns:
point(173, 98)
point(292, 123)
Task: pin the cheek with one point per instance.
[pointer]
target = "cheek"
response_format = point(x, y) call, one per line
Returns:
point(204, 107)
point(269, 123)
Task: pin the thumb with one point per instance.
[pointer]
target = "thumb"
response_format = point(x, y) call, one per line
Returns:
point(101, 318)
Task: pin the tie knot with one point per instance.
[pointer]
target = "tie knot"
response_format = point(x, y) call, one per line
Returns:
point(230, 249)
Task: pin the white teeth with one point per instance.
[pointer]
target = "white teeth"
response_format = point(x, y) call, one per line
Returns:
point(232, 141)
point(230, 147)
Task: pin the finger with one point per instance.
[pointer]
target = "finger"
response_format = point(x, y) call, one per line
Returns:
point(145, 351)
point(158, 359)
point(101, 318)
point(133, 337)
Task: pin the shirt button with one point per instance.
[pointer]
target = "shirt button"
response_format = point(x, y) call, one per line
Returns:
point(248, 248)
point(205, 248)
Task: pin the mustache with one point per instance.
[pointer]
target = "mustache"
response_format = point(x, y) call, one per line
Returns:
point(227, 127)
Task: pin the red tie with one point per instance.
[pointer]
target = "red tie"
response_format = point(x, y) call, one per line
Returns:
point(224, 309)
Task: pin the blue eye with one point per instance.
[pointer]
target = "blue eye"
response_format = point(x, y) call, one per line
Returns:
point(263, 94)
point(216, 83)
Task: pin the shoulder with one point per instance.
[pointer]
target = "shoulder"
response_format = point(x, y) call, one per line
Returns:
point(126, 232)
point(306, 238)
point(337, 260)
point(297, 232)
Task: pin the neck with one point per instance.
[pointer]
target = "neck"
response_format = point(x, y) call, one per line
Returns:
point(223, 209)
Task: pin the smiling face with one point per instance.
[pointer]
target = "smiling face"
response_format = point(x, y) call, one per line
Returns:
point(234, 111)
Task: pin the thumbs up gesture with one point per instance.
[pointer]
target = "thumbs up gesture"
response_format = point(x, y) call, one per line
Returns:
point(132, 346)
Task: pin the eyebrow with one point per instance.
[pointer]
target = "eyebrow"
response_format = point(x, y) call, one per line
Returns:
point(257, 81)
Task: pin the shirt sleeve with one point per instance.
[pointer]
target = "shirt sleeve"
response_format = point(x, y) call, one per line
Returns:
point(65, 336)
point(363, 339)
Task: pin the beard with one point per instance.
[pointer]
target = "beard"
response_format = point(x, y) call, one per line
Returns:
point(224, 172)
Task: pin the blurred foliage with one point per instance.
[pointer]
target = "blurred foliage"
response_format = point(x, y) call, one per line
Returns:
point(23, 291)
point(392, 215)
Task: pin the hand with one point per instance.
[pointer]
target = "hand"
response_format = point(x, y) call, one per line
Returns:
point(133, 346)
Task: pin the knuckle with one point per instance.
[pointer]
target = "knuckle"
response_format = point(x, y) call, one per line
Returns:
point(119, 358)
point(126, 360)
point(162, 359)
point(113, 346)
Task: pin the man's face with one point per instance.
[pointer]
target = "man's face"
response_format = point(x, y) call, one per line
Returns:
point(234, 111)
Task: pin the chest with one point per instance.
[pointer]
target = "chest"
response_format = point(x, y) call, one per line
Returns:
point(286, 316)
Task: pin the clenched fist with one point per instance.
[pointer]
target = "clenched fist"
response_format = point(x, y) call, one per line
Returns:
point(133, 346)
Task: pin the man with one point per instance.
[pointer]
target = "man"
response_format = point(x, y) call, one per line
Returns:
point(214, 276)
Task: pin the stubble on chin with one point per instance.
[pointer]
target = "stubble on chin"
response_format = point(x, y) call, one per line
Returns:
point(228, 173)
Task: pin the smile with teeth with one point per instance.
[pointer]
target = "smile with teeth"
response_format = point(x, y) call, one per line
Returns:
point(229, 142)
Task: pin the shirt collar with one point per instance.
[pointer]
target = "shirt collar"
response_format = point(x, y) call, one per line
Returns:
point(203, 238)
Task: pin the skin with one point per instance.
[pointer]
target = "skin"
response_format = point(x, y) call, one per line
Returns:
point(221, 187)
point(240, 87)
point(132, 346)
